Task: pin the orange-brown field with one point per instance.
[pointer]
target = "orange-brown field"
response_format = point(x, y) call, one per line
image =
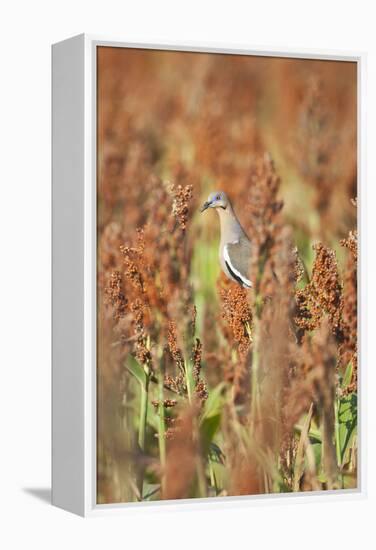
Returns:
point(205, 388)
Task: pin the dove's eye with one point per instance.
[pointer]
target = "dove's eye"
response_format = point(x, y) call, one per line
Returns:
point(218, 198)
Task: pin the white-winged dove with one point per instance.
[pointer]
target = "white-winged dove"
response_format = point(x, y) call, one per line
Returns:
point(235, 247)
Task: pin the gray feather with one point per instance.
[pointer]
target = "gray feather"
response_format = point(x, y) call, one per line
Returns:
point(239, 254)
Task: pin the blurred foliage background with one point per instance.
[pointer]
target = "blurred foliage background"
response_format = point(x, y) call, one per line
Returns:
point(189, 367)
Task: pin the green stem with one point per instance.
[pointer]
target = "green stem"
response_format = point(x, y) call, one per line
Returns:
point(142, 429)
point(336, 427)
point(201, 477)
point(338, 442)
point(200, 465)
point(189, 380)
point(143, 413)
point(255, 405)
point(161, 428)
point(248, 329)
point(213, 482)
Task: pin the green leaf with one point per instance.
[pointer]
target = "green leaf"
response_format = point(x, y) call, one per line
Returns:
point(214, 402)
point(322, 477)
point(150, 490)
point(153, 417)
point(221, 476)
point(313, 434)
point(136, 370)
point(215, 454)
point(317, 450)
point(208, 428)
point(347, 419)
point(347, 376)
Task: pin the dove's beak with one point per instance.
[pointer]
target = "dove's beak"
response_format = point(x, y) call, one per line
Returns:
point(205, 206)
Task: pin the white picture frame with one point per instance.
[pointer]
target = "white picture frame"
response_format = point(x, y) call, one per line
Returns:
point(74, 276)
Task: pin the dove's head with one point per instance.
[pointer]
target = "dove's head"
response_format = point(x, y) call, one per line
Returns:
point(217, 199)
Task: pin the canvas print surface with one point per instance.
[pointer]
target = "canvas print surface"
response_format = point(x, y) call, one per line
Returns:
point(226, 275)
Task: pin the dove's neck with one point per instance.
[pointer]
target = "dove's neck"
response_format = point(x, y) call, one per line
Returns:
point(231, 230)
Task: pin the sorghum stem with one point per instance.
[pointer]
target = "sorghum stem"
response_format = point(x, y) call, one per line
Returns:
point(142, 429)
point(189, 380)
point(161, 433)
point(143, 413)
